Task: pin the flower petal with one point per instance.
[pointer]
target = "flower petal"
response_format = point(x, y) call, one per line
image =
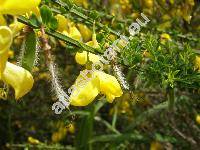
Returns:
point(62, 23)
point(109, 85)
point(74, 33)
point(5, 42)
point(81, 58)
point(19, 78)
point(15, 7)
point(197, 63)
point(85, 32)
point(85, 90)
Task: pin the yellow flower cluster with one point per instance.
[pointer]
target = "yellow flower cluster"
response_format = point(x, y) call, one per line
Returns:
point(99, 82)
point(19, 78)
point(82, 58)
point(94, 81)
point(67, 27)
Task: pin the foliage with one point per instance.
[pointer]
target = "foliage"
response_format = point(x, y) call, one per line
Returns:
point(159, 111)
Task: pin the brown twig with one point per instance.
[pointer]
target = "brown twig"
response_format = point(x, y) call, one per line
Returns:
point(46, 47)
point(189, 139)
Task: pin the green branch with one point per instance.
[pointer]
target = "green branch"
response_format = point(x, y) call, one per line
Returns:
point(60, 36)
point(72, 8)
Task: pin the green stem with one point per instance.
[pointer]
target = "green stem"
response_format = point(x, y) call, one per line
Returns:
point(151, 112)
point(60, 36)
point(171, 97)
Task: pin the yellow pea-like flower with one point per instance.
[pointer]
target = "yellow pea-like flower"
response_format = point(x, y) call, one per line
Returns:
point(62, 23)
point(80, 95)
point(16, 7)
point(5, 42)
point(109, 86)
point(198, 119)
point(68, 28)
point(81, 58)
point(19, 78)
point(197, 62)
point(165, 37)
point(85, 32)
point(74, 33)
point(86, 90)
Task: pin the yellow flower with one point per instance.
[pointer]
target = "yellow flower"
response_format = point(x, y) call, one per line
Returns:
point(109, 85)
point(165, 37)
point(62, 23)
point(5, 42)
point(85, 32)
point(156, 146)
point(20, 79)
point(83, 3)
point(94, 83)
point(16, 7)
point(74, 33)
point(197, 62)
point(198, 119)
point(81, 58)
point(66, 27)
point(32, 140)
point(80, 95)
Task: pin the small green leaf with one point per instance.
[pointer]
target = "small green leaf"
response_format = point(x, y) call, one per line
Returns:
point(34, 20)
point(46, 14)
point(53, 23)
point(30, 51)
